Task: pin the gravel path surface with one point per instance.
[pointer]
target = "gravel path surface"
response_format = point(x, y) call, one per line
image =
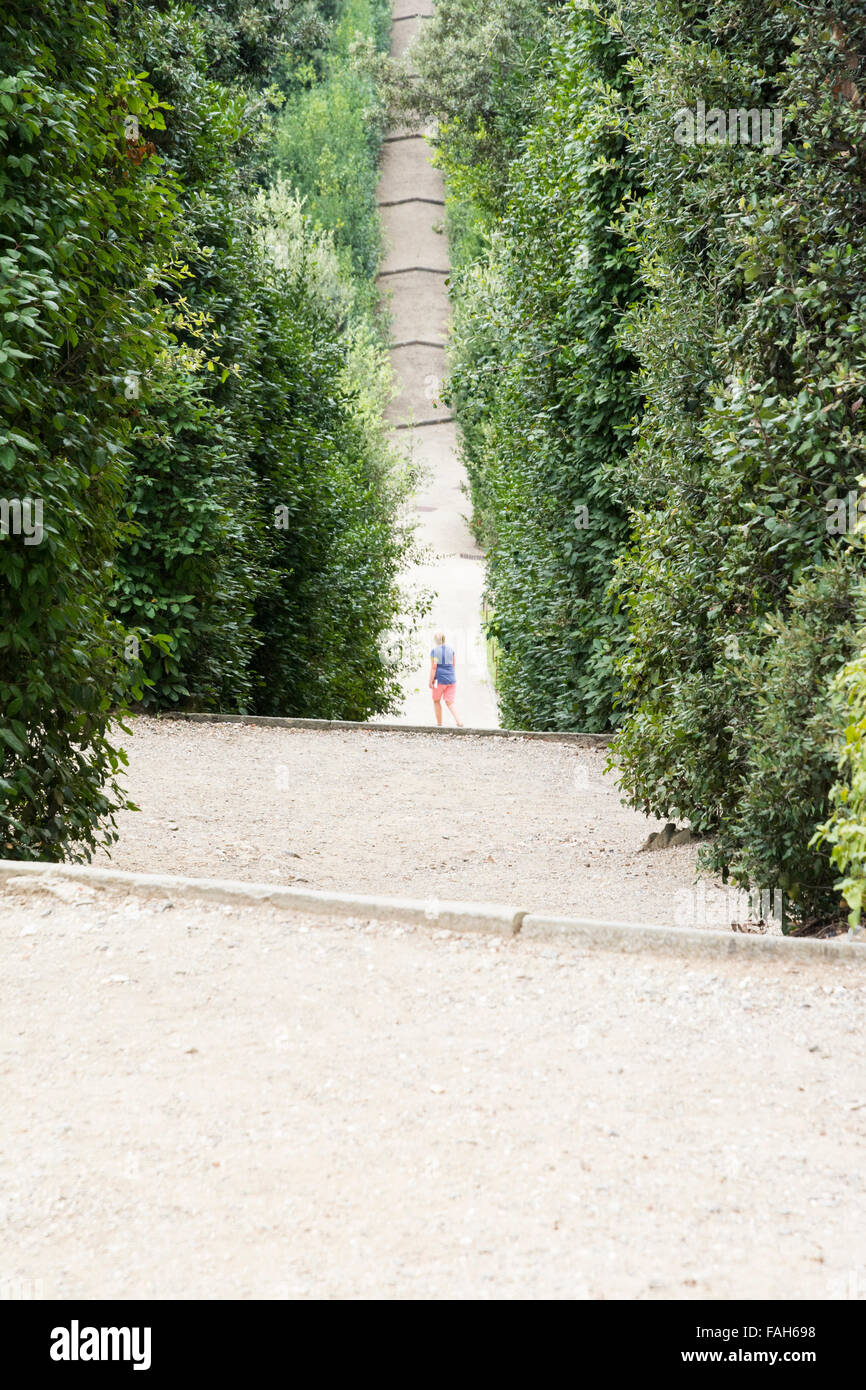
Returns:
point(207, 1101)
point(498, 820)
point(411, 197)
point(231, 1102)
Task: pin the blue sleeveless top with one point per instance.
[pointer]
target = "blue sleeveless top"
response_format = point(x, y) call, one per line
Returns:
point(443, 655)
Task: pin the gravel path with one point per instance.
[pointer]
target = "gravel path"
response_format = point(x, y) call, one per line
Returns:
point(530, 823)
point(232, 1102)
point(411, 196)
point(206, 1101)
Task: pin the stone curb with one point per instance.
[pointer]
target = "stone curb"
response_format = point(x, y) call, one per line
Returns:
point(494, 918)
point(273, 721)
point(692, 942)
point(458, 916)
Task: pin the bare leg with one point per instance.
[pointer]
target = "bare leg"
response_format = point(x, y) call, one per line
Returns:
point(437, 706)
point(454, 711)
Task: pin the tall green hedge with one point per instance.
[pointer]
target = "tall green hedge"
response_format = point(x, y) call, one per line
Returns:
point(751, 340)
point(263, 539)
point(193, 388)
point(546, 394)
point(844, 831)
point(328, 135)
point(84, 216)
point(698, 310)
point(479, 62)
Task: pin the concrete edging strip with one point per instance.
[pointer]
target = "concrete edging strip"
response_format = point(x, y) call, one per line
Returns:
point(632, 937)
point(494, 918)
point(276, 722)
point(425, 424)
point(457, 916)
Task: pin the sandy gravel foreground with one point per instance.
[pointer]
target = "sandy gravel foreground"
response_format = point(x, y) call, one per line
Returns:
point(535, 824)
point(204, 1101)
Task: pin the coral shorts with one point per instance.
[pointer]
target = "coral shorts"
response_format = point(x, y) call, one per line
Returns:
point(444, 692)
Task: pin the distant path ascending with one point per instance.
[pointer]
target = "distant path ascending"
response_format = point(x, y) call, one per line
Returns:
point(412, 203)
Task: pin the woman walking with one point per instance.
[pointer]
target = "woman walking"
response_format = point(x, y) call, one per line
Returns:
point(443, 680)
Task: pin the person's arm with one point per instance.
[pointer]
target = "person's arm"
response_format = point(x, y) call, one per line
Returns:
point(433, 664)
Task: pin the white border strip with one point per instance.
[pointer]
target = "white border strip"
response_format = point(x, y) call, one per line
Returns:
point(274, 722)
point(504, 920)
point(459, 916)
point(633, 937)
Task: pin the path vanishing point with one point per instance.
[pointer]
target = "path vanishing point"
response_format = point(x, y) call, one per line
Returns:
point(413, 280)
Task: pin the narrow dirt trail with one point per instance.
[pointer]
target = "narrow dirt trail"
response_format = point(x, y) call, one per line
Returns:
point(412, 207)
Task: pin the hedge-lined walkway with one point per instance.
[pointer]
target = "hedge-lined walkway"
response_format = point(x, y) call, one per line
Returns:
point(411, 199)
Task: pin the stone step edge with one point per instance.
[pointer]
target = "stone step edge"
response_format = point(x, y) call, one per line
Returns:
point(462, 916)
point(447, 731)
point(625, 937)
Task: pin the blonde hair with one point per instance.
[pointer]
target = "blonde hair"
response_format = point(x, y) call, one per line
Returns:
point(439, 637)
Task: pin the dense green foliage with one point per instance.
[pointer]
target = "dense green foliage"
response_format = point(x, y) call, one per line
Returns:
point(81, 225)
point(546, 394)
point(262, 498)
point(193, 386)
point(479, 63)
point(699, 311)
point(752, 342)
point(845, 829)
point(329, 133)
